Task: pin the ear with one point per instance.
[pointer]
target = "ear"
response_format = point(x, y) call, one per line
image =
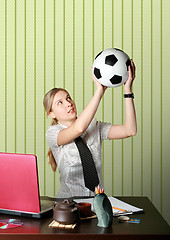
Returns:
point(51, 115)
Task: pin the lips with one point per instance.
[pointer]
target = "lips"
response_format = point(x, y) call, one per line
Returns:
point(71, 110)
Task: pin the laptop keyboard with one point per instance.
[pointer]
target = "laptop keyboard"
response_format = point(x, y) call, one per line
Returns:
point(45, 204)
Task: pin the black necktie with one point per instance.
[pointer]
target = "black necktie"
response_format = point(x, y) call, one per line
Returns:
point(89, 170)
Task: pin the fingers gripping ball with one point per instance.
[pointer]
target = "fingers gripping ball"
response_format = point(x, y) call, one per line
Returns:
point(110, 67)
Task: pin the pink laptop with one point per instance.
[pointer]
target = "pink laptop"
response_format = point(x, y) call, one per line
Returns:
point(19, 188)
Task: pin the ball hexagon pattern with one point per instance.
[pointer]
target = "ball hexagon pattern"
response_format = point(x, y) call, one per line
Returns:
point(110, 67)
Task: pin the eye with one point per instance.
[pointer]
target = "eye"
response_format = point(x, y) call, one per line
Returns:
point(59, 102)
point(68, 98)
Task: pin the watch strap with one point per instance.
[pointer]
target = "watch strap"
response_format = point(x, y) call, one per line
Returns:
point(128, 95)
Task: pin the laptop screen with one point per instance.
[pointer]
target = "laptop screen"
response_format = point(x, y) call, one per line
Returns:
point(19, 189)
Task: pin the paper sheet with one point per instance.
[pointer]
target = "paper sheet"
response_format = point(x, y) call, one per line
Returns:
point(115, 203)
point(122, 205)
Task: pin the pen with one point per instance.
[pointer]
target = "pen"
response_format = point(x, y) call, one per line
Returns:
point(123, 210)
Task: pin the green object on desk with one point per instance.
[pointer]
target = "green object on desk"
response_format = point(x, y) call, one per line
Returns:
point(103, 210)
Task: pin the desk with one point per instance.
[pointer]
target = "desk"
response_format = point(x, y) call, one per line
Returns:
point(152, 226)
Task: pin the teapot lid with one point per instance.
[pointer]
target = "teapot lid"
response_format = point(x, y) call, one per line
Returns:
point(65, 204)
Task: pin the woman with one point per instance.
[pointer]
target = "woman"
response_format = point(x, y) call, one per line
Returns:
point(67, 126)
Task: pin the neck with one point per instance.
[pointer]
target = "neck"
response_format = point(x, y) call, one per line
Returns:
point(68, 123)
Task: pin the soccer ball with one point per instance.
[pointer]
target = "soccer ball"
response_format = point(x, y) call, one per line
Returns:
point(110, 67)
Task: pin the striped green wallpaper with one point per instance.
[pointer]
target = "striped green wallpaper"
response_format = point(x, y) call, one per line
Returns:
point(47, 43)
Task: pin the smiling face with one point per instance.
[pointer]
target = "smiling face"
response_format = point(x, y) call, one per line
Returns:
point(63, 108)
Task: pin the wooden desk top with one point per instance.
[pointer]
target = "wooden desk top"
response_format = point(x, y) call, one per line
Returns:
point(152, 226)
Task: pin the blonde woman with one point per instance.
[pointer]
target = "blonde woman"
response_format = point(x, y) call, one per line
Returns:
point(67, 126)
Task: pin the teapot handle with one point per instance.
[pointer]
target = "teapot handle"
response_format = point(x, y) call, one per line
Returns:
point(55, 204)
point(74, 209)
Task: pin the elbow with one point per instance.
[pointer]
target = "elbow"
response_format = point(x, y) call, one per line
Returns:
point(133, 132)
point(79, 130)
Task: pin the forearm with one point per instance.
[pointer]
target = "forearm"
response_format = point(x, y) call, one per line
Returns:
point(130, 120)
point(130, 115)
point(130, 126)
point(82, 122)
point(85, 118)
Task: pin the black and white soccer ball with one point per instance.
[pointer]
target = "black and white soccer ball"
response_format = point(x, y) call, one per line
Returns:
point(110, 67)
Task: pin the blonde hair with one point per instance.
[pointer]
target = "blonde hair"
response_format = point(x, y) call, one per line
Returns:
point(47, 102)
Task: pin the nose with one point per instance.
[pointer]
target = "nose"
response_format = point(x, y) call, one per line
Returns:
point(68, 103)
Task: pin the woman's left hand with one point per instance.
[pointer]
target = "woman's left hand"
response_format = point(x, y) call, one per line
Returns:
point(98, 85)
point(129, 82)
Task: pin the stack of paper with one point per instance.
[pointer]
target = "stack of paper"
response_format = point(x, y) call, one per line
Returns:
point(119, 207)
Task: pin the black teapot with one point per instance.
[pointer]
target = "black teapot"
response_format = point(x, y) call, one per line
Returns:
point(66, 212)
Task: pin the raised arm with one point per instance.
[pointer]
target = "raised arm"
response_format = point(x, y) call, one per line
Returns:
point(82, 122)
point(130, 126)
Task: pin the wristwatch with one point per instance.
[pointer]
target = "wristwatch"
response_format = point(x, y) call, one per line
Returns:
point(128, 95)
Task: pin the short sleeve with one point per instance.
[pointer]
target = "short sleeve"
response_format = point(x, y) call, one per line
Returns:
point(104, 129)
point(52, 134)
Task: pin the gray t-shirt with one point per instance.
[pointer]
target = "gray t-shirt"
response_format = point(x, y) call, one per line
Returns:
point(69, 162)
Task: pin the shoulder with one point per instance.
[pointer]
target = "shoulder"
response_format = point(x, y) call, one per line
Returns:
point(98, 125)
point(104, 128)
point(54, 127)
point(52, 133)
point(98, 128)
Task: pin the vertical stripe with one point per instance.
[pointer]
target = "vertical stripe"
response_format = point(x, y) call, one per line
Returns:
point(112, 103)
point(122, 109)
point(74, 49)
point(132, 58)
point(35, 71)
point(44, 94)
point(151, 100)
point(54, 46)
point(165, 83)
point(15, 76)
point(112, 23)
point(161, 168)
point(25, 75)
point(93, 35)
point(142, 97)
point(63, 43)
point(103, 24)
point(132, 29)
point(6, 76)
point(102, 6)
point(54, 190)
point(83, 55)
